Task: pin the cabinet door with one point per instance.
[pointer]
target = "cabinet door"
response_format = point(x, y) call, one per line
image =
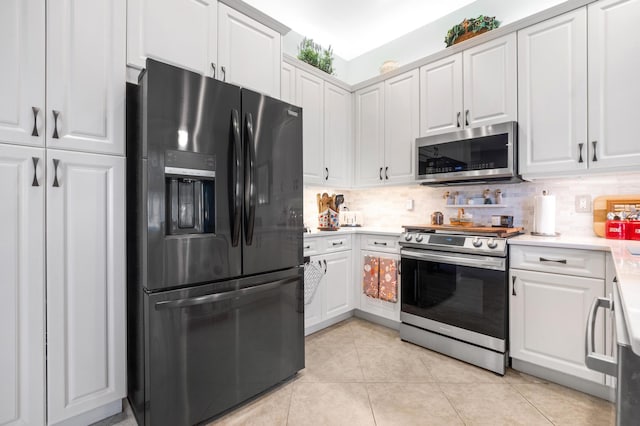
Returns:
point(338, 288)
point(337, 136)
point(313, 310)
point(441, 96)
point(249, 53)
point(22, 45)
point(179, 32)
point(376, 266)
point(85, 282)
point(401, 127)
point(552, 95)
point(86, 75)
point(309, 94)
point(489, 75)
point(369, 135)
point(613, 93)
point(22, 306)
point(288, 83)
point(548, 319)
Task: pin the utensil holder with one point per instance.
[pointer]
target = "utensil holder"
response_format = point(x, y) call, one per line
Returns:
point(328, 220)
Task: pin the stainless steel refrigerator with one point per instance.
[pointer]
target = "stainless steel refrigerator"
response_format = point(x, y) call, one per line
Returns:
point(215, 263)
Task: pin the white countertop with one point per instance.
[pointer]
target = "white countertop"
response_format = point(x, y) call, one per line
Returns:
point(627, 271)
point(355, 230)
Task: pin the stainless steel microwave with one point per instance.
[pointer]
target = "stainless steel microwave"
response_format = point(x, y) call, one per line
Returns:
point(477, 155)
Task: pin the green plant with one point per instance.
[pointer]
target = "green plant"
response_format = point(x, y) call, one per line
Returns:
point(313, 54)
point(480, 24)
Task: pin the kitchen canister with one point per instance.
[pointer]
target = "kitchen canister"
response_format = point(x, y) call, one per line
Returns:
point(544, 215)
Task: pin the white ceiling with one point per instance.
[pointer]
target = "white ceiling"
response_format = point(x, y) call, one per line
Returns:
point(353, 27)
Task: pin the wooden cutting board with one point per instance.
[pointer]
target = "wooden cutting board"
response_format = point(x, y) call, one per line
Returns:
point(611, 203)
point(500, 231)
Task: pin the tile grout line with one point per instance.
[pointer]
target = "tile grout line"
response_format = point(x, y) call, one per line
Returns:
point(531, 403)
point(286, 422)
point(450, 403)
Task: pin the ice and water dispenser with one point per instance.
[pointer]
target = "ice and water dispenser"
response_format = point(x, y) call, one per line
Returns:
point(190, 185)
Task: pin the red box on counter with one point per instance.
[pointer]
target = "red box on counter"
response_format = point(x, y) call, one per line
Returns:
point(633, 230)
point(616, 229)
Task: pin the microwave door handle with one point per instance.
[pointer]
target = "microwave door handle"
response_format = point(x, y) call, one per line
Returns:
point(249, 190)
point(218, 297)
point(236, 220)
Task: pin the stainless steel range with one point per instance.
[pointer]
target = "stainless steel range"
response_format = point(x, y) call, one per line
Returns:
point(454, 294)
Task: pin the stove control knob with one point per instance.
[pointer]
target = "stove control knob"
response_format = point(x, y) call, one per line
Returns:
point(492, 243)
point(419, 238)
point(408, 237)
point(477, 242)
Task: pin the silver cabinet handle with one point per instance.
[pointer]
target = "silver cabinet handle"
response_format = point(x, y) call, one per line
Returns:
point(35, 110)
point(563, 261)
point(213, 66)
point(594, 361)
point(466, 118)
point(55, 124)
point(56, 184)
point(224, 73)
point(595, 144)
point(513, 285)
point(386, 173)
point(580, 160)
point(458, 119)
point(35, 170)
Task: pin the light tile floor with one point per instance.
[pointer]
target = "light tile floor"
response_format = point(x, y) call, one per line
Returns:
point(359, 373)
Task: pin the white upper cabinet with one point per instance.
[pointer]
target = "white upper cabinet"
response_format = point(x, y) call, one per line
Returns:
point(85, 282)
point(22, 73)
point(489, 75)
point(614, 60)
point(86, 61)
point(288, 83)
point(178, 32)
point(369, 135)
point(249, 53)
point(441, 96)
point(402, 126)
point(552, 95)
point(337, 136)
point(22, 305)
point(309, 95)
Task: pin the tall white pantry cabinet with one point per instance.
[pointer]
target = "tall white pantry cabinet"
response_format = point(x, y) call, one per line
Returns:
point(62, 182)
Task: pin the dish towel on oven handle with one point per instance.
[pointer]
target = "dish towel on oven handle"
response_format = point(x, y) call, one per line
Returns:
point(380, 278)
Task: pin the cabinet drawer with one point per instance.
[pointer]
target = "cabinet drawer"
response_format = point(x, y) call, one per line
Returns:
point(380, 243)
point(312, 246)
point(583, 263)
point(332, 244)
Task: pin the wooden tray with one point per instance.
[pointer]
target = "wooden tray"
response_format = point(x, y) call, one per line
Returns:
point(499, 231)
point(610, 203)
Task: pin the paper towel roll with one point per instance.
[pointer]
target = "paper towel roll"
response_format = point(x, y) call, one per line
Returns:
point(544, 215)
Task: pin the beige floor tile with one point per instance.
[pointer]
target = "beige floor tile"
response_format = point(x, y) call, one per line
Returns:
point(492, 404)
point(565, 406)
point(516, 377)
point(410, 404)
point(369, 334)
point(338, 333)
point(336, 362)
point(330, 404)
point(391, 364)
point(269, 409)
point(449, 370)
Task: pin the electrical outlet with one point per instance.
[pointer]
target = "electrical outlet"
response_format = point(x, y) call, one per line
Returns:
point(583, 203)
point(409, 204)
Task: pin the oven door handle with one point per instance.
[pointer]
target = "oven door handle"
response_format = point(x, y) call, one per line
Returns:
point(485, 262)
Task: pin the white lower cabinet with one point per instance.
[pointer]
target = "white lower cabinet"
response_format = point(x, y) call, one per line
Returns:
point(548, 318)
point(333, 295)
point(22, 305)
point(85, 282)
point(377, 281)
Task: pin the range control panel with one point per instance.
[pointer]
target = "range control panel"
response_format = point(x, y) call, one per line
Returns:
point(476, 244)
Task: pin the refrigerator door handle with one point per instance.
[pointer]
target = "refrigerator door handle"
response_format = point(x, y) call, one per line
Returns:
point(218, 297)
point(236, 220)
point(250, 187)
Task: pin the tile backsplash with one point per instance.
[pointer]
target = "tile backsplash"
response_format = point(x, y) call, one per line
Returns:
point(386, 206)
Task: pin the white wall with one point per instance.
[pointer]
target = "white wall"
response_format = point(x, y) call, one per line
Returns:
point(385, 207)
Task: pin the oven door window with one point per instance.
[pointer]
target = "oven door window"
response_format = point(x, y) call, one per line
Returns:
point(466, 297)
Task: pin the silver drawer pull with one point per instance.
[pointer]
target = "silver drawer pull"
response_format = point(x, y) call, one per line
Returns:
point(544, 259)
point(337, 244)
point(379, 244)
